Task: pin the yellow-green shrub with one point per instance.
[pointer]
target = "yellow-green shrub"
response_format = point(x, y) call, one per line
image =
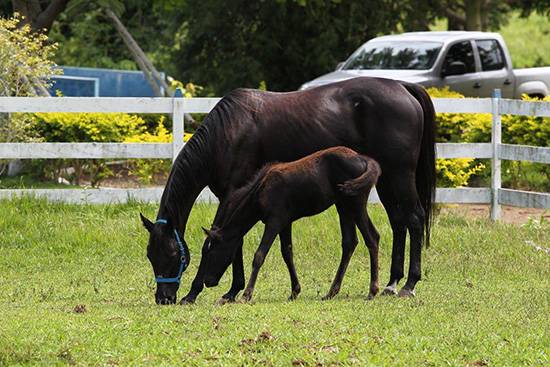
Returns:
point(96, 127)
point(474, 128)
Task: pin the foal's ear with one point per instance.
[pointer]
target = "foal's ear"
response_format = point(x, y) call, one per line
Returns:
point(206, 231)
point(146, 223)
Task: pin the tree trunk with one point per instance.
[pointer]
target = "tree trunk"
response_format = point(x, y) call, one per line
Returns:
point(473, 15)
point(142, 60)
point(40, 19)
point(153, 76)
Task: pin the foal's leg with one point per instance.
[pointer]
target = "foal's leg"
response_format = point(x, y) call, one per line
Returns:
point(371, 238)
point(237, 283)
point(270, 232)
point(349, 243)
point(286, 250)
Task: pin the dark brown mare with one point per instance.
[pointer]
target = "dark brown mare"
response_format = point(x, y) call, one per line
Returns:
point(281, 193)
point(390, 121)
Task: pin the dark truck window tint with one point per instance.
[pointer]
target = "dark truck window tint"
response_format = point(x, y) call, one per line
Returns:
point(394, 55)
point(490, 54)
point(462, 52)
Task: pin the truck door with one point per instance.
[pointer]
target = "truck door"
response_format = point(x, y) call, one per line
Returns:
point(494, 73)
point(458, 70)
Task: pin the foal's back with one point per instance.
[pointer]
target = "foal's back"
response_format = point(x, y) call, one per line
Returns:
point(312, 184)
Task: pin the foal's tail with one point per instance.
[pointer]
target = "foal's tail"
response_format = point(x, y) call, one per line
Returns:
point(425, 169)
point(363, 182)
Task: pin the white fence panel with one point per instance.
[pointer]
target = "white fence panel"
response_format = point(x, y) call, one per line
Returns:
point(84, 150)
point(464, 150)
point(177, 107)
point(514, 152)
point(525, 108)
point(540, 200)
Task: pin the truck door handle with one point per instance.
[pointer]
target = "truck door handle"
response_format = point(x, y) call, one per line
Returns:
point(507, 82)
point(477, 85)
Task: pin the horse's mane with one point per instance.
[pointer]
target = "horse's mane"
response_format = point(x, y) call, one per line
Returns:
point(192, 168)
point(241, 197)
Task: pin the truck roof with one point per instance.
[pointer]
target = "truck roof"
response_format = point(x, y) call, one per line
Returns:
point(447, 36)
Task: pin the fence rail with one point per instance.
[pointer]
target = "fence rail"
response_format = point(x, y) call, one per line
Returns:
point(177, 107)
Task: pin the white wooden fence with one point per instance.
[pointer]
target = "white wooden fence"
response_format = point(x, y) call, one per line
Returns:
point(495, 150)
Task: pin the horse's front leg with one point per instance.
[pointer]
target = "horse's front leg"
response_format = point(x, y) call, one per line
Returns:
point(196, 286)
point(268, 237)
point(237, 284)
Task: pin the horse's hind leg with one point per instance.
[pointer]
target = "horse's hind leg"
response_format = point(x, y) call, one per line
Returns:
point(237, 283)
point(407, 213)
point(371, 238)
point(349, 242)
point(399, 231)
point(415, 224)
point(286, 251)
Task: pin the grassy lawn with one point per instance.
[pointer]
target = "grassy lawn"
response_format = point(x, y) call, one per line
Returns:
point(484, 299)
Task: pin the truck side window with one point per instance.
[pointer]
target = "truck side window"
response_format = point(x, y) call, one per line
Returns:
point(490, 54)
point(462, 52)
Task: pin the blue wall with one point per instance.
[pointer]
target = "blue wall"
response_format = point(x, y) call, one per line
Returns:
point(101, 83)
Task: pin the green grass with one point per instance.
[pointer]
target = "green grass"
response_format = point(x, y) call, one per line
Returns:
point(484, 298)
point(30, 182)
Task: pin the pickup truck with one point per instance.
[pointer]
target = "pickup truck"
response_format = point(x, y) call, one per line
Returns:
point(471, 63)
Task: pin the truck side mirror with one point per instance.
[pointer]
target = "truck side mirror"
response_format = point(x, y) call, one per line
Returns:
point(454, 68)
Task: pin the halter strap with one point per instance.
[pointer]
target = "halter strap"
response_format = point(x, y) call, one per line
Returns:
point(183, 264)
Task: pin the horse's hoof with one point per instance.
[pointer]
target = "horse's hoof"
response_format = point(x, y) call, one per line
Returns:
point(389, 291)
point(371, 296)
point(187, 301)
point(328, 297)
point(404, 292)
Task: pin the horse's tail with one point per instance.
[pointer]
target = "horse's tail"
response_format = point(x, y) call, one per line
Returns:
point(363, 182)
point(425, 169)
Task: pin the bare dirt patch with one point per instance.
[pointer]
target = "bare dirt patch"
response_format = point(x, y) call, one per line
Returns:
point(510, 214)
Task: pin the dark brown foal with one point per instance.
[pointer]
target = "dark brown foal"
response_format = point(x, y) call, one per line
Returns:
point(281, 193)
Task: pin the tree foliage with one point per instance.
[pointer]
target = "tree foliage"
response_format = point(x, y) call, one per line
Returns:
point(25, 58)
point(281, 42)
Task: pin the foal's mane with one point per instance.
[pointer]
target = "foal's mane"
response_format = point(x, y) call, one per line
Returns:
point(192, 169)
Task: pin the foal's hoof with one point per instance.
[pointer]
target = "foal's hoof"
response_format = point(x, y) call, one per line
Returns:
point(222, 301)
point(246, 298)
point(328, 297)
point(294, 294)
point(404, 292)
point(389, 291)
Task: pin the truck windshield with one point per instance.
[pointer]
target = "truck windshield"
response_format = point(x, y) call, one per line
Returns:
point(411, 55)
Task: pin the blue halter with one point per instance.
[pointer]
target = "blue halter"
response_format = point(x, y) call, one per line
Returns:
point(183, 264)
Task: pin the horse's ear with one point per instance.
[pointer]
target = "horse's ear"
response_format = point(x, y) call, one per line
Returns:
point(146, 223)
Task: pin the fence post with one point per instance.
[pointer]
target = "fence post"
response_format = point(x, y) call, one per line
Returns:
point(178, 117)
point(496, 140)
